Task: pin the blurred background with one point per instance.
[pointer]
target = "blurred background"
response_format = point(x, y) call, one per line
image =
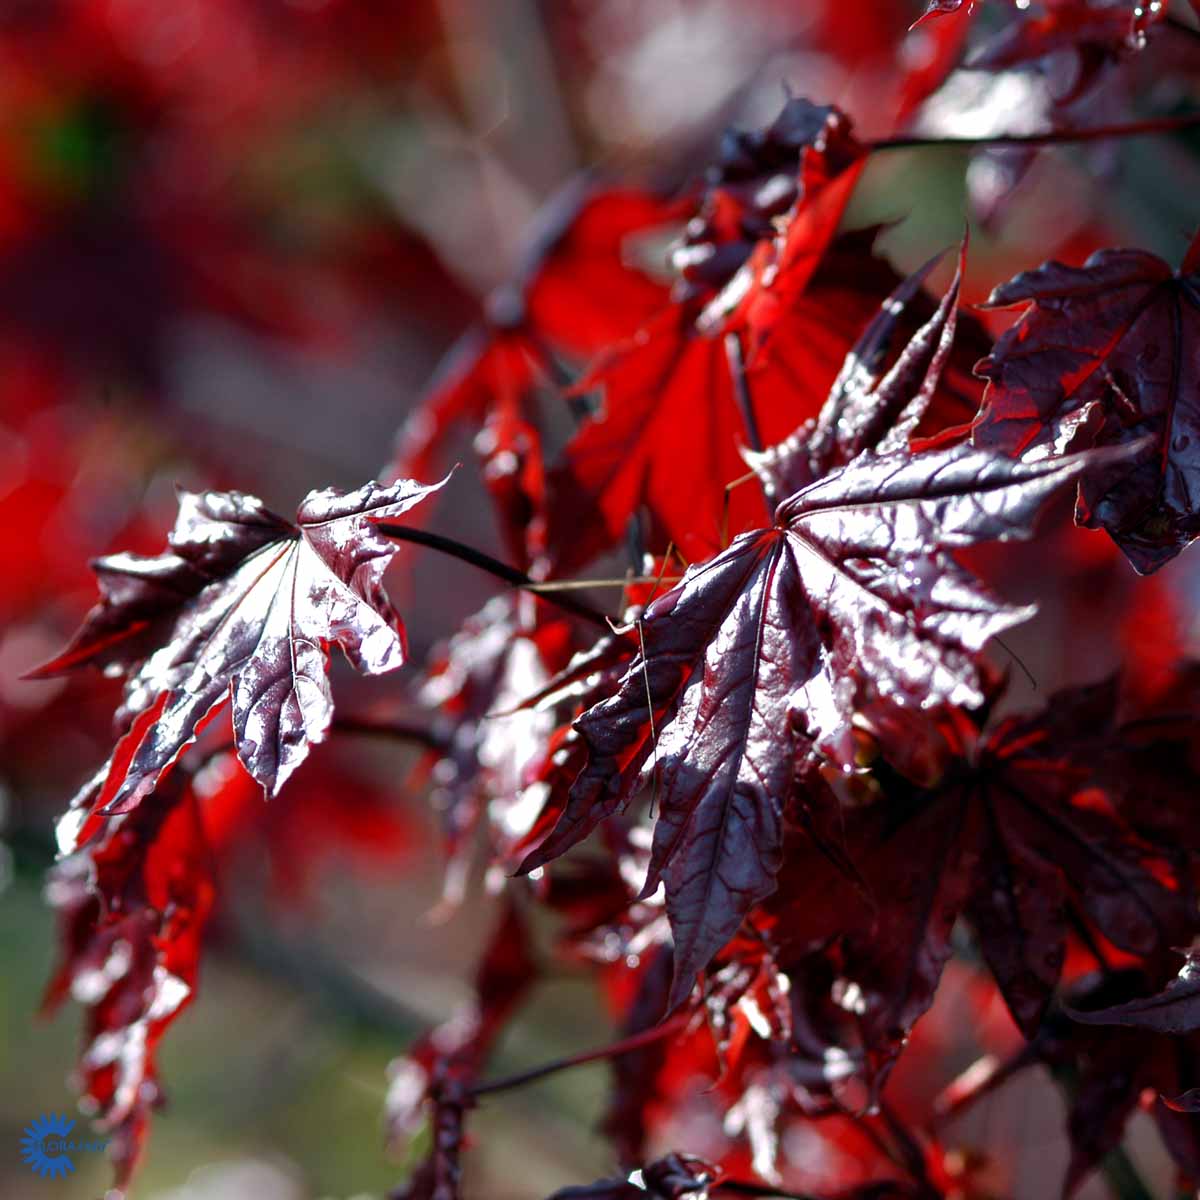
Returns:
point(235, 238)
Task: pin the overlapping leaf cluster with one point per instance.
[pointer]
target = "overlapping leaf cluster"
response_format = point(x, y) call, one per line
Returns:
point(781, 797)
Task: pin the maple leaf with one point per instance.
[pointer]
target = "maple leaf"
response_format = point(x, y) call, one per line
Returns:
point(755, 261)
point(484, 369)
point(1174, 1010)
point(242, 606)
point(850, 601)
point(1022, 837)
point(580, 289)
point(943, 8)
point(1109, 1069)
point(763, 180)
point(1096, 37)
point(588, 280)
point(1066, 23)
point(799, 173)
point(488, 777)
point(1110, 352)
point(669, 434)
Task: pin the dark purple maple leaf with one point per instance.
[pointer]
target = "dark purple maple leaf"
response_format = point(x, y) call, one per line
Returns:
point(850, 602)
point(1111, 1069)
point(1174, 1010)
point(1109, 351)
point(243, 605)
point(1067, 22)
point(674, 1177)
point(1022, 836)
point(1096, 37)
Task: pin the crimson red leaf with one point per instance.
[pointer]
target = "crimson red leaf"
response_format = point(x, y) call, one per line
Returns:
point(243, 605)
point(597, 268)
point(483, 369)
point(942, 8)
point(745, 264)
point(868, 409)
point(581, 289)
point(1109, 350)
point(757, 300)
point(669, 433)
point(764, 182)
point(133, 906)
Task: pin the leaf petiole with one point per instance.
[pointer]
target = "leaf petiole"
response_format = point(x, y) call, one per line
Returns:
point(493, 566)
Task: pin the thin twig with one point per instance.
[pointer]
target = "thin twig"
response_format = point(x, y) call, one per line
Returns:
point(324, 982)
point(614, 1050)
point(1123, 1177)
point(572, 585)
point(403, 731)
point(1182, 27)
point(1050, 138)
point(729, 490)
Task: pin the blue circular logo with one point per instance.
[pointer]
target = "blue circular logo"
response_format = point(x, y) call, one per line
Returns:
point(44, 1146)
